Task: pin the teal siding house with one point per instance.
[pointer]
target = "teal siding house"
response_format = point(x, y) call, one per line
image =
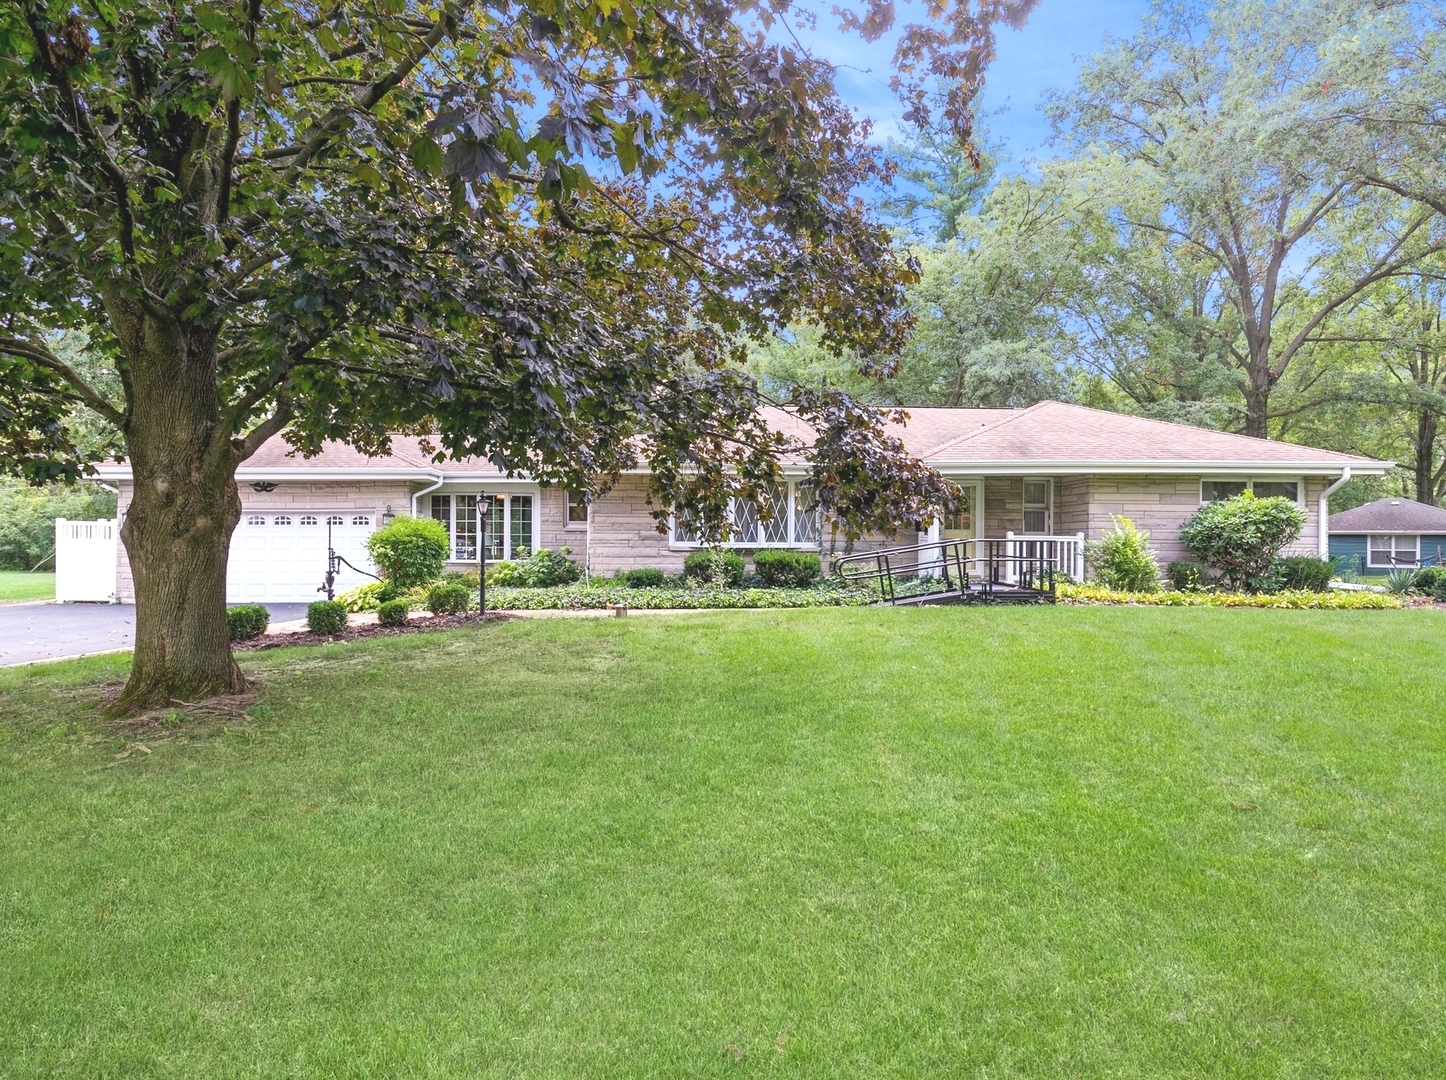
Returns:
point(1387, 534)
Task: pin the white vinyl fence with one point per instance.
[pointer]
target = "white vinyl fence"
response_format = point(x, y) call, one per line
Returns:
point(85, 560)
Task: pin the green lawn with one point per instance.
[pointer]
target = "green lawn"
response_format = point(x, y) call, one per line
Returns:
point(847, 843)
point(18, 585)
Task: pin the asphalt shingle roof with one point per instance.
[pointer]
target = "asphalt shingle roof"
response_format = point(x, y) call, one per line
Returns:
point(1390, 516)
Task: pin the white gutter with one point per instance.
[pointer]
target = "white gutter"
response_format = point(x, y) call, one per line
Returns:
point(436, 477)
point(1323, 511)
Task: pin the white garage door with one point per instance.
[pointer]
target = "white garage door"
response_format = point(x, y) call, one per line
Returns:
point(282, 557)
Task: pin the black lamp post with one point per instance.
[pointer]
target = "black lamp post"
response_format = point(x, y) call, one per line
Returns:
point(484, 511)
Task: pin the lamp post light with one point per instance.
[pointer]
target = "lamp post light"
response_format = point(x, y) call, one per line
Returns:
point(483, 513)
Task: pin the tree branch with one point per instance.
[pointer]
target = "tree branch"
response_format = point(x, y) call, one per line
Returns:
point(37, 353)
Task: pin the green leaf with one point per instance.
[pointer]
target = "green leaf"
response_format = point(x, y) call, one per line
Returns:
point(427, 155)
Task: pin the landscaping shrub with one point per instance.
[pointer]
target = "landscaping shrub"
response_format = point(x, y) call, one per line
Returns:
point(715, 567)
point(247, 621)
point(326, 617)
point(448, 598)
point(368, 597)
point(1431, 580)
point(599, 597)
point(392, 613)
point(1240, 538)
point(542, 569)
point(410, 551)
point(1097, 594)
point(781, 568)
point(643, 577)
point(1304, 572)
point(1122, 559)
point(1401, 581)
point(1186, 576)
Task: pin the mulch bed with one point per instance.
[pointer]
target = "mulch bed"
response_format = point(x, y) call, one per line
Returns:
point(366, 630)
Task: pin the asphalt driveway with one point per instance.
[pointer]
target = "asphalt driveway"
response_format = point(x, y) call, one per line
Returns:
point(45, 631)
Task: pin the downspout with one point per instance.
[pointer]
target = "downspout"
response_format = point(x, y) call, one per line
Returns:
point(426, 491)
point(1323, 510)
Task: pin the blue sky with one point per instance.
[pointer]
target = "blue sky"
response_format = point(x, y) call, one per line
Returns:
point(1045, 54)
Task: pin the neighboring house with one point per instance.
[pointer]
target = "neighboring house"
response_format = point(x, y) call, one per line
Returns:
point(1048, 470)
point(1388, 533)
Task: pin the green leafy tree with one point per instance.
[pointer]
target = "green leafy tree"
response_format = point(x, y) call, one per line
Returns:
point(1214, 106)
point(536, 228)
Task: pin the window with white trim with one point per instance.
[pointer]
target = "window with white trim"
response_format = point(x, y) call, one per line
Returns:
point(335, 519)
point(308, 519)
point(281, 519)
point(361, 519)
point(577, 508)
point(1215, 490)
point(509, 524)
point(793, 519)
point(1385, 550)
point(255, 519)
point(1037, 514)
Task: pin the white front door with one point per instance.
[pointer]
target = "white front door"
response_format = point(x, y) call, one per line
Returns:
point(281, 557)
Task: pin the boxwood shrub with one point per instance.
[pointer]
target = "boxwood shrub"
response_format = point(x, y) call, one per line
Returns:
point(247, 621)
point(1305, 572)
point(1185, 575)
point(448, 598)
point(1431, 580)
point(714, 566)
point(326, 617)
point(392, 613)
point(784, 568)
point(643, 577)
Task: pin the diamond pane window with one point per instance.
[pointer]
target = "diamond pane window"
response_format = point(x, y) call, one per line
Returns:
point(807, 518)
point(745, 522)
point(775, 529)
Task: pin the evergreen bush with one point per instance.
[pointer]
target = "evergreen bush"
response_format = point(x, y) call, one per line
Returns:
point(247, 621)
point(1241, 538)
point(326, 617)
point(1186, 576)
point(643, 577)
point(392, 613)
point(715, 567)
point(448, 598)
point(1305, 572)
point(783, 568)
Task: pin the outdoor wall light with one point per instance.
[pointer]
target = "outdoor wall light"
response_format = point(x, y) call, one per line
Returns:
point(263, 486)
point(387, 516)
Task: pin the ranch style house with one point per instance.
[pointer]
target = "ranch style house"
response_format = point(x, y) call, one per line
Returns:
point(1052, 470)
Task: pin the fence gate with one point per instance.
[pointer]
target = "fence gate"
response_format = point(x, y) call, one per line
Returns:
point(85, 558)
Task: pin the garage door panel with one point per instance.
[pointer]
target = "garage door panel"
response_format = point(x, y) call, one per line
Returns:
point(282, 557)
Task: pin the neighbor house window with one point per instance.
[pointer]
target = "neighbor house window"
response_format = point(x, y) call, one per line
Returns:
point(1387, 551)
point(1036, 506)
point(1215, 490)
point(509, 524)
point(577, 507)
point(791, 510)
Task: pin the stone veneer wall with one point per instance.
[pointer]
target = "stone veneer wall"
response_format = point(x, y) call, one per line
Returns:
point(1160, 505)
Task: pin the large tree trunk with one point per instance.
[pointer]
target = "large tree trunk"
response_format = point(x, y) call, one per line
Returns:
point(1425, 440)
point(1257, 406)
point(178, 527)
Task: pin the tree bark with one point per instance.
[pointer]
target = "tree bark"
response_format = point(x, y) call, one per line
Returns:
point(177, 529)
point(1257, 402)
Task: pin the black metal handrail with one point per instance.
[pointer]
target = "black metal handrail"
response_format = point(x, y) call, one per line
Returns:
point(967, 566)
